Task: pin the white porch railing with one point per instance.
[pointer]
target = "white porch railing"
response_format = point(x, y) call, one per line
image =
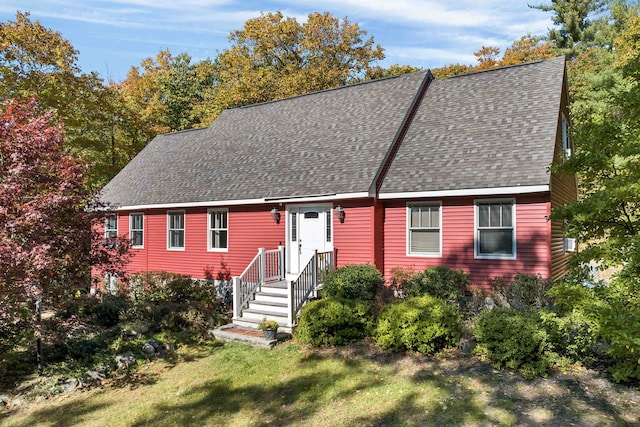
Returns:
point(313, 274)
point(266, 266)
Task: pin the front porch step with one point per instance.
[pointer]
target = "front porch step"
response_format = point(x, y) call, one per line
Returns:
point(277, 288)
point(252, 323)
point(247, 335)
point(270, 297)
point(259, 314)
point(269, 306)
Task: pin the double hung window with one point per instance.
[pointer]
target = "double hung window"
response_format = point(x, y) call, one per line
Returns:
point(218, 230)
point(176, 227)
point(424, 231)
point(495, 229)
point(111, 226)
point(136, 230)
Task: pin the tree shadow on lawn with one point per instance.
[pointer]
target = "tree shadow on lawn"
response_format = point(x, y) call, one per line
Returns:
point(561, 399)
point(61, 415)
point(558, 400)
point(284, 403)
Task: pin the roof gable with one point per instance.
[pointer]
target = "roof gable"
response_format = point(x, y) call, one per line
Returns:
point(495, 128)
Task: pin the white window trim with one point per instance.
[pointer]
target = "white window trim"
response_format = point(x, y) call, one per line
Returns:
point(107, 230)
point(210, 247)
point(476, 232)
point(408, 230)
point(169, 247)
point(131, 230)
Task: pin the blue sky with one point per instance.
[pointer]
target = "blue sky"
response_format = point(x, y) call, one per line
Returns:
point(113, 35)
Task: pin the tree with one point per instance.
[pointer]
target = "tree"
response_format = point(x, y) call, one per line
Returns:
point(275, 57)
point(48, 239)
point(579, 22)
point(606, 218)
point(393, 70)
point(526, 49)
point(38, 62)
point(166, 92)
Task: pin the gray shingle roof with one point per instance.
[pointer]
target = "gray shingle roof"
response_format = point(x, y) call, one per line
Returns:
point(329, 142)
point(490, 129)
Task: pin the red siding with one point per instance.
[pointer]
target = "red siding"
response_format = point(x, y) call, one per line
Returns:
point(354, 239)
point(532, 240)
point(564, 190)
point(249, 229)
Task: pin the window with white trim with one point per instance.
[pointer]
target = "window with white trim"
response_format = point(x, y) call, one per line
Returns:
point(566, 139)
point(424, 230)
point(495, 229)
point(175, 236)
point(218, 229)
point(136, 230)
point(294, 226)
point(111, 226)
point(328, 228)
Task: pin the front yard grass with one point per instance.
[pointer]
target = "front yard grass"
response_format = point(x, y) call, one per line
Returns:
point(235, 385)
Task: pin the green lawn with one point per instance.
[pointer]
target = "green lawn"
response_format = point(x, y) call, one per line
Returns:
point(237, 385)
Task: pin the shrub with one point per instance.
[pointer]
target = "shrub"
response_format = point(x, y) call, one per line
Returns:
point(401, 279)
point(333, 321)
point(439, 282)
point(619, 326)
point(109, 310)
point(163, 287)
point(425, 324)
point(525, 292)
point(354, 282)
point(572, 335)
point(513, 339)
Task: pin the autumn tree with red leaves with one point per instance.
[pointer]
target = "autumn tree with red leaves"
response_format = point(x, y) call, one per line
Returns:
point(48, 217)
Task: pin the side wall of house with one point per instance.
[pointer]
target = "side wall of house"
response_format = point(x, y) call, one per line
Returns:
point(248, 229)
point(458, 236)
point(564, 189)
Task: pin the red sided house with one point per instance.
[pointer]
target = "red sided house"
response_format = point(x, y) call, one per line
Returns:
point(405, 171)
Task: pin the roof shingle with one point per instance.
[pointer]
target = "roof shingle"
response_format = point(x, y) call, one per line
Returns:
point(329, 142)
point(495, 128)
point(490, 129)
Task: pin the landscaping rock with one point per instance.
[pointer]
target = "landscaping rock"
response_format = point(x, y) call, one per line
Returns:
point(68, 385)
point(4, 399)
point(16, 402)
point(149, 351)
point(489, 303)
point(467, 345)
point(94, 376)
point(125, 360)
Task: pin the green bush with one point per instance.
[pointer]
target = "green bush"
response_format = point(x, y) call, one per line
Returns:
point(439, 282)
point(354, 282)
point(333, 321)
point(600, 324)
point(572, 336)
point(163, 287)
point(525, 292)
point(513, 339)
point(425, 324)
point(108, 312)
point(619, 326)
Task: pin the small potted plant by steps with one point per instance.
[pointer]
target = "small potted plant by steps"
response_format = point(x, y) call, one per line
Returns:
point(270, 329)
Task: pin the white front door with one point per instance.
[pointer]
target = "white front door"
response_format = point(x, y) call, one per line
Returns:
point(310, 229)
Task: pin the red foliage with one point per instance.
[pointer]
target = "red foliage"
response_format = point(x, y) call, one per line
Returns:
point(47, 231)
